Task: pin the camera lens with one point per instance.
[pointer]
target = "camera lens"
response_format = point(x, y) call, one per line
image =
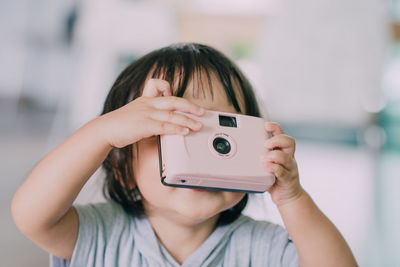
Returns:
point(221, 145)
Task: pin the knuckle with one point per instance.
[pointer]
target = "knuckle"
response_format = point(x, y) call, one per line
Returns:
point(274, 167)
point(287, 160)
point(164, 82)
point(270, 125)
point(189, 121)
point(164, 126)
point(170, 115)
point(274, 143)
point(269, 141)
point(274, 124)
point(291, 139)
point(173, 98)
point(179, 128)
point(187, 102)
point(279, 171)
point(269, 166)
point(150, 82)
point(273, 155)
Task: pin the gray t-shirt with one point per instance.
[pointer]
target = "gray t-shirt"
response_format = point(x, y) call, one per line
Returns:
point(109, 237)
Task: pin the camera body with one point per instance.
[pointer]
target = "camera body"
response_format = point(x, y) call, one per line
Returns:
point(223, 155)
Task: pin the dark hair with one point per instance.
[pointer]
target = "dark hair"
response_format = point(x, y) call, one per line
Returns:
point(176, 63)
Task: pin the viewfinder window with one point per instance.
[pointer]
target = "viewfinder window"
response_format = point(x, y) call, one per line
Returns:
point(227, 121)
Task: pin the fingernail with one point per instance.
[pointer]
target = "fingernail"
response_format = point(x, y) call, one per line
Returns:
point(185, 131)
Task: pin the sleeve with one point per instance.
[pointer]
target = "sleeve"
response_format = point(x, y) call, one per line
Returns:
point(95, 226)
point(58, 262)
point(282, 251)
point(272, 246)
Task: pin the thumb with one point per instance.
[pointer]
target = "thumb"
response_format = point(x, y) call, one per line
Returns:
point(156, 87)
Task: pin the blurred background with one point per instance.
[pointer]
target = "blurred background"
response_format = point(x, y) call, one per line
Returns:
point(327, 71)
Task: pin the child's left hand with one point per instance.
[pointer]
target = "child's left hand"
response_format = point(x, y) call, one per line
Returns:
point(279, 160)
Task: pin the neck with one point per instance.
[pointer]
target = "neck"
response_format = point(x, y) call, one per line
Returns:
point(180, 235)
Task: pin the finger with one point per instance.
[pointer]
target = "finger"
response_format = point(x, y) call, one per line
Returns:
point(281, 142)
point(174, 117)
point(163, 127)
point(278, 157)
point(273, 127)
point(177, 103)
point(156, 87)
point(276, 170)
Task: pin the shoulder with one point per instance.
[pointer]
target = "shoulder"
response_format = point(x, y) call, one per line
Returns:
point(101, 226)
point(256, 228)
point(101, 218)
point(102, 209)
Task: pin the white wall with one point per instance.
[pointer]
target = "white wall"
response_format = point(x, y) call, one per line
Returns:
point(323, 59)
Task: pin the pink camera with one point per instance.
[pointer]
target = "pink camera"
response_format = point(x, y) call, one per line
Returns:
point(223, 155)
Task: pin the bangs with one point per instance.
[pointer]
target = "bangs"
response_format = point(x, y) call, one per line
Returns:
point(181, 64)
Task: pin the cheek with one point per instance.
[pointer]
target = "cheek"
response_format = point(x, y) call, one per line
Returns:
point(147, 173)
point(233, 198)
point(146, 168)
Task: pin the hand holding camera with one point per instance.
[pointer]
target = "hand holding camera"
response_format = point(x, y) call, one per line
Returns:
point(150, 115)
point(173, 116)
point(279, 160)
point(232, 152)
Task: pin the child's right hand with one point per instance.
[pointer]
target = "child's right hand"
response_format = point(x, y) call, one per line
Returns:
point(149, 115)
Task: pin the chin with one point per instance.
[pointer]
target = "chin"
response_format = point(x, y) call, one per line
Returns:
point(204, 204)
point(188, 205)
point(196, 215)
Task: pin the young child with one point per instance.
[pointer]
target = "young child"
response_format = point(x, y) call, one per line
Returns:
point(145, 223)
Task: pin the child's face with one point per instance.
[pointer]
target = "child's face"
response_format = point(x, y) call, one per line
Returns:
point(181, 203)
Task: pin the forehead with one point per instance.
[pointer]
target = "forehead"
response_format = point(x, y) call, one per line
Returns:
point(199, 90)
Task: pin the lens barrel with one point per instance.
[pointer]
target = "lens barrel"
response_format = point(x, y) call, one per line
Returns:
point(221, 145)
